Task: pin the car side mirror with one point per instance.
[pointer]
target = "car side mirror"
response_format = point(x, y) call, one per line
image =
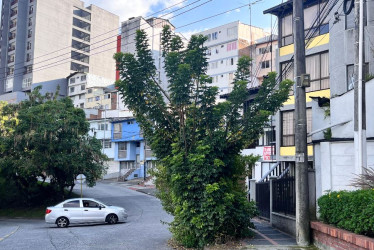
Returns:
point(100, 207)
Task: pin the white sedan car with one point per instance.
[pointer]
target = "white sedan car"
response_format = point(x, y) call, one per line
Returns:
point(84, 210)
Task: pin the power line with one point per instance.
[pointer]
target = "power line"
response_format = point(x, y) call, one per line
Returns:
point(72, 57)
point(204, 19)
point(89, 45)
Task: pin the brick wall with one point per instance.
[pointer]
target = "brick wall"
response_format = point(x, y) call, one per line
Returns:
point(329, 237)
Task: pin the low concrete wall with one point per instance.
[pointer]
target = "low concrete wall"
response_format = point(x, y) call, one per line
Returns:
point(285, 223)
point(329, 237)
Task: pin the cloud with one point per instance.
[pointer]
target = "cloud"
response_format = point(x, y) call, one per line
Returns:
point(127, 9)
point(237, 10)
point(189, 33)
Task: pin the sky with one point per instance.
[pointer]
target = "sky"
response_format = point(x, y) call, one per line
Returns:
point(126, 9)
point(132, 8)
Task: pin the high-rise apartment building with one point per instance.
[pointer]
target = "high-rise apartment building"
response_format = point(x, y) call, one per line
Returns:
point(226, 44)
point(42, 40)
point(153, 27)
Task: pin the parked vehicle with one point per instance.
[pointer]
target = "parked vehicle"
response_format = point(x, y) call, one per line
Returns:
point(84, 210)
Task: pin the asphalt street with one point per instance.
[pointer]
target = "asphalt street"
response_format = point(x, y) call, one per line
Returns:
point(143, 230)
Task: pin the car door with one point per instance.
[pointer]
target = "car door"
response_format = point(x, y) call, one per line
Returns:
point(93, 211)
point(73, 210)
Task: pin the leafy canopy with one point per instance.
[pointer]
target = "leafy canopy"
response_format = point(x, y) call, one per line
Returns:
point(47, 138)
point(197, 140)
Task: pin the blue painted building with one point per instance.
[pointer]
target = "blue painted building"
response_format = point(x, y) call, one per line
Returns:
point(130, 148)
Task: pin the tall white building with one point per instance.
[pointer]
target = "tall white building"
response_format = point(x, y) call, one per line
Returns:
point(43, 40)
point(226, 44)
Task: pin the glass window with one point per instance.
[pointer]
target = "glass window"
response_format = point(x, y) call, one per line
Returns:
point(71, 89)
point(89, 203)
point(74, 203)
point(287, 37)
point(83, 87)
point(310, 16)
point(107, 144)
point(318, 67)
point(288, 128)
point(309, 124)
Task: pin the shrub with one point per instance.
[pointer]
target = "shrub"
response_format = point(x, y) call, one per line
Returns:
point(352, 211)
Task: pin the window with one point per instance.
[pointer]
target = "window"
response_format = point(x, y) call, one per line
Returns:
point(83, 87)
point(107, 144)
point(28, 69)
point(83, 78)
point(287, 37)
point(9, 84)
point(107, 96)
point(28, 57)
point(265, 64)
point(29, 33)
point(231, 31)
point(138, 144)
point(89, 203)
point(288, 128)
point(214, 36)
point(71, 89)
point(81, 105)
point(268, 138)
point(213, 65)
point(28, 46)
point(264, 50)
point(74, 203)
point(72, 80)
point(117, 133)
point(11, 58)
point(89, 91)
point(318, 68)
point(10, 71)
point(31, 9)
point(232, 61)
point(103, 126)
point(122, 150)
point(130, 122)
point(30, 22)
point(26, 83)
point(231, 77)
point(127, 165)
point(90, 99)
point(81, 97)
point(231, 46)
point(209, 36)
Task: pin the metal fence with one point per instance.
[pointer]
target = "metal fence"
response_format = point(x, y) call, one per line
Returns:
point(284, 196)
point(263, 198)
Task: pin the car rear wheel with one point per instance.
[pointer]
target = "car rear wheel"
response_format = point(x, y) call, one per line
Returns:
point(62, 222)
point(112, 219)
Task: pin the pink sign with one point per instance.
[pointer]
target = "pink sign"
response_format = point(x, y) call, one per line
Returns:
point(266, 155)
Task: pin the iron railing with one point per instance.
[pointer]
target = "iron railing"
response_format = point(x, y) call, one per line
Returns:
point(284, 196)
point(263, 198)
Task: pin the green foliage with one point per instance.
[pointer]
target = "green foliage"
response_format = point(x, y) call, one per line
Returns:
point(369, 77)
point(352, 211)
point(327, 134)
point(48, 139)
point(196, 140)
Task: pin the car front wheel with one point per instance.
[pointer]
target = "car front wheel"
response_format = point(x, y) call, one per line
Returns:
point(62, 222)
point(112, 219)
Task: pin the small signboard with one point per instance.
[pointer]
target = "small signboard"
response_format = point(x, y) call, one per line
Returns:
point(267, 152)
point(80, 178)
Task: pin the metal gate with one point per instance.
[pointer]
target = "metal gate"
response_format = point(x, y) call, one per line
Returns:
point(263, 199)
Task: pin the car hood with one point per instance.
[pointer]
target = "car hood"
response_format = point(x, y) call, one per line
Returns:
point(116, 208)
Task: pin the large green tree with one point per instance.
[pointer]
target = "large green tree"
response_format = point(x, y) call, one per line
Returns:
point(47, 138)
point(197, 140)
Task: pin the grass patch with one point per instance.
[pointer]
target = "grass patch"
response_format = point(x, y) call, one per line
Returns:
point(32, 213)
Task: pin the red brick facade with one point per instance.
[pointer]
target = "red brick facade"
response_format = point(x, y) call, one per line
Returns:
point(336, 238)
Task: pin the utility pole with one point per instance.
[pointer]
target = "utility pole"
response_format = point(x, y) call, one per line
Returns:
point(301, 157)
point(359, 91)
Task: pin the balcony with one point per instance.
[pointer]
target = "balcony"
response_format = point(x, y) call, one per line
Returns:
point(10, 49)
point(13, 2)
point(80, 46)
point(12, 36)
point(83, 14)
point(11, 60)
point(29, 35)
point(13, 12)
point(79, 68)
point(81, 35)
point(81, 24)
point(80, 57)
point(12, 25)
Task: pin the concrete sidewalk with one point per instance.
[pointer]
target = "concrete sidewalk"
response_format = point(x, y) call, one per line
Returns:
point(267, 237)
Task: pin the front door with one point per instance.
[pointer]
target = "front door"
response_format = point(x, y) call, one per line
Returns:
point(92, 212)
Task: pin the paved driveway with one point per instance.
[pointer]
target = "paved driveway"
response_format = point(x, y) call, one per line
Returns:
point(143, 230)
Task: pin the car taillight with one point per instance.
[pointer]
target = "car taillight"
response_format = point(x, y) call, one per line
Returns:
point(48, 211)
